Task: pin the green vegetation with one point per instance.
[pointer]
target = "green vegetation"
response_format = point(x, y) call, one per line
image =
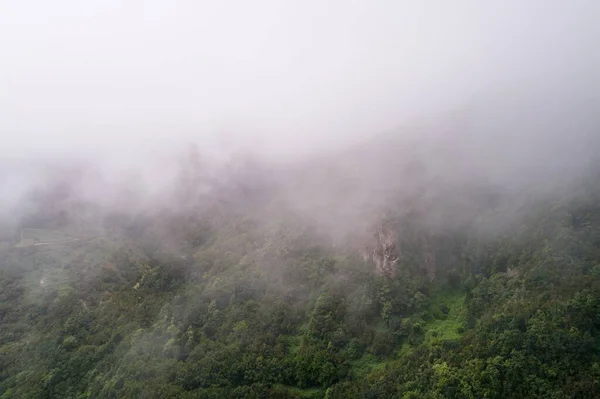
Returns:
point(240, 310)
point(448, 311)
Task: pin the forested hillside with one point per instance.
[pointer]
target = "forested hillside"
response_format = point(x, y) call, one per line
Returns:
point(440, 291)
point(300, 199)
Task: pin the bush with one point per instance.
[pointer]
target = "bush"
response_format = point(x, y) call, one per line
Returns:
point(384, 344)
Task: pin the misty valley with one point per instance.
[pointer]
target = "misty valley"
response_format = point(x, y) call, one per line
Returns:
point(236, 283)
point(300, 199)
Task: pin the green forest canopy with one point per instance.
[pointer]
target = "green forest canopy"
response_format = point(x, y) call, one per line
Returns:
point(240, 309)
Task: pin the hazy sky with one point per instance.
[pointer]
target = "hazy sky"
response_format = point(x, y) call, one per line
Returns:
point(291, 75)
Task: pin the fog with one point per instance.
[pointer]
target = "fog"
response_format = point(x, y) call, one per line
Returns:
point(501, 91)
point(289, 75)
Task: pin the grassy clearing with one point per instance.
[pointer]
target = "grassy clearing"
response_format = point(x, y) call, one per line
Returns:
point(446, 325)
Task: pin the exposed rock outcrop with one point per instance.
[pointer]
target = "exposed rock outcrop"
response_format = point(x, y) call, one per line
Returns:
point(382, 251)
point(428, 257)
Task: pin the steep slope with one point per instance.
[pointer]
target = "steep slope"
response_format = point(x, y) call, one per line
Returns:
point(440, 288)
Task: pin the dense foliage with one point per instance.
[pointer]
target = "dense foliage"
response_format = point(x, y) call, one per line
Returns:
point(244, 310)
